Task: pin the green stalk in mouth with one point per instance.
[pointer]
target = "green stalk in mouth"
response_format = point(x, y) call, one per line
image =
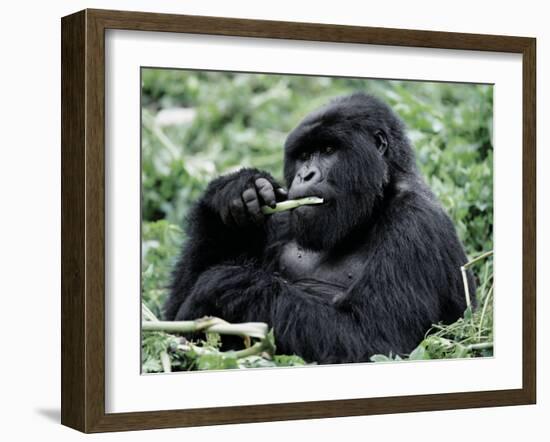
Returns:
point(292, 204)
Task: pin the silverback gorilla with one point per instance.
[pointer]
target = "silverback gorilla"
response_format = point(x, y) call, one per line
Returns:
point(366, 272)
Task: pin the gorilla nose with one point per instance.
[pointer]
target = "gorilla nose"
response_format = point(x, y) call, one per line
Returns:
point(304, 182)
point(310, 175)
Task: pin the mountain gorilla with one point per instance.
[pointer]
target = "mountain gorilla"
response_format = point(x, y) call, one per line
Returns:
point(366, 272)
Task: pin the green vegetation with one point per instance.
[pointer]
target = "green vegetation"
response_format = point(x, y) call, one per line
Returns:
point(164, 349)
point(196, 125)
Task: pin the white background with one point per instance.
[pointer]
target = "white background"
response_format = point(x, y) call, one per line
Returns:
point(30, 232)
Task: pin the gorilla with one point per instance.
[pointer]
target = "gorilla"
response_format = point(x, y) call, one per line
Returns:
point(366, 272)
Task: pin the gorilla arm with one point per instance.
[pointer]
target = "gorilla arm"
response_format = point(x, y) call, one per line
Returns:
point(225, 225)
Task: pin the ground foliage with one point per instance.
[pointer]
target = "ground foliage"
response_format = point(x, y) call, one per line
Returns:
point(196, 125)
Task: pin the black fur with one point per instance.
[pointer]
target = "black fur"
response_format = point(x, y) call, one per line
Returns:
point(367, 272)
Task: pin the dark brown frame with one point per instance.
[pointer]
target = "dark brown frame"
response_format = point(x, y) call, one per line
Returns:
point(83, 217)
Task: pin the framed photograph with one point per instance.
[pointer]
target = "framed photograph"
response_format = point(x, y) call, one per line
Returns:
point(266, 220)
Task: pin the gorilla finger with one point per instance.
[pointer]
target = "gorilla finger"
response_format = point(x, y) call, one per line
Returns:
point(225, 214)
point(266, 191)
point(238, 212)
point(250, 198)
point(281, 194)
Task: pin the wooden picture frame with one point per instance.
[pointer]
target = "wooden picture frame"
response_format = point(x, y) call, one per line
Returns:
point(83, 219)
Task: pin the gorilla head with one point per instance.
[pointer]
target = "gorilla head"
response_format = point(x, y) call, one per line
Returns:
point(350, 153)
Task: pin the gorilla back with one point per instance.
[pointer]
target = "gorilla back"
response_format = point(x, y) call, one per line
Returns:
point(368, 271)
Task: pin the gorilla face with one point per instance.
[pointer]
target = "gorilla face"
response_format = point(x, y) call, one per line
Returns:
point(313, 177)
point(343, 154)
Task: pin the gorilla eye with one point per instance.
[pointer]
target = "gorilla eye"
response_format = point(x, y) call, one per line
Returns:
point(304, 156)
point(329, 150)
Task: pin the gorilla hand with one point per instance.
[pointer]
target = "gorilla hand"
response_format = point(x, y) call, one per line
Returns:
point(238, 197)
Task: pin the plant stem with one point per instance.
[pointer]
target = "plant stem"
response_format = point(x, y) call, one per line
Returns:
point(257, 348)
point(165, 361)
point(465, 275)
point(466, 287)
point(212, 325)
point(485, 304)
point(485, 278)
point(479, 258)
point(147, 313)
point(291, 204)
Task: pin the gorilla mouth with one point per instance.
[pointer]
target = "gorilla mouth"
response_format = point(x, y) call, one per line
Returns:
point(311, 211)
point(298, 195)
point(312, 206)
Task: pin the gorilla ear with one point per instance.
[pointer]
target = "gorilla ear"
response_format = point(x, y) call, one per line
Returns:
point(381, 141)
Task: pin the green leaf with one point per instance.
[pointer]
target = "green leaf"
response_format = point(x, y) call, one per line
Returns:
point(419, 353)
point(217, 361)
point(468, 314)
point(288, 360)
